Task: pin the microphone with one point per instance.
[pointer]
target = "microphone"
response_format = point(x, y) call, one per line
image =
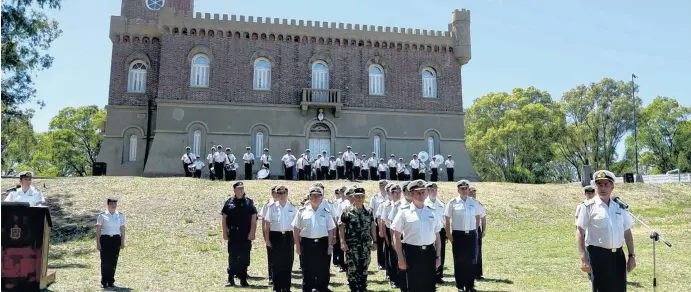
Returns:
point(620, 202)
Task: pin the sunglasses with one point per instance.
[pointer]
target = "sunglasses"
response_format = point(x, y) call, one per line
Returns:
point(281, 193)
point(315, 195)
point(462, 188)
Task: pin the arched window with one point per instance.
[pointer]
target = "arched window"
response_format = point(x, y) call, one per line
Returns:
point(377, 145)
point(320, 80)
point(199, 76)
point(133, 148)
point(430, 146)
point(136, 79)
point(259, 141)
point(376, 80)
point(262, 74)
point(429, 83)
point(196, 142)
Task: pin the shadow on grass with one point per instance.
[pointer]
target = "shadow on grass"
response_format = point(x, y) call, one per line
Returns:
point(491, 280)
point(68, 226)
point(67, 266)
point(635, 284)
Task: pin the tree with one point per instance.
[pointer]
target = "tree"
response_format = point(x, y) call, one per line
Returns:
point(76, 137)
point(661, 127)
point(26, 35)
point(597, 118)
point(17, 140)
point(510, 136)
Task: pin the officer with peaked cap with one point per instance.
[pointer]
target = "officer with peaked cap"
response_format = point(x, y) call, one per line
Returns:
point(239, 220)
point(462, 217)
point(603, 227)
point(25, 192)
point(279, 217)
point(288, 163)
point(110, 239)
point(588, 193)
point(416, 240)
point(438, 206)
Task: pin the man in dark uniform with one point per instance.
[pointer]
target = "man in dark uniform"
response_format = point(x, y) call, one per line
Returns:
point(357, 229)
point(239, 220)
point(604, 226)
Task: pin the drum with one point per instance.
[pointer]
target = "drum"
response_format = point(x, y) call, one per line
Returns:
point(263, 173)
point(191, 168)
point(423, 156)
point(439, 159)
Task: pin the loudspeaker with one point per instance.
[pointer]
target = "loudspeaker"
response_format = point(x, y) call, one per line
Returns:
point(99, 168)
point(628, 178)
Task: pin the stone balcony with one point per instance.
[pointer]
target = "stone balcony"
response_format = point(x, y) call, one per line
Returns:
point(321, 99)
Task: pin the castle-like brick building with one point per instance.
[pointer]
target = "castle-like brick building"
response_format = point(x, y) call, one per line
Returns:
point(180, 78)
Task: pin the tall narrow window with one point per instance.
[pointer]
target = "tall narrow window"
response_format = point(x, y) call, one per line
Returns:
point(377, 145)
point(429, 83)
point(430, 147)
point(199, 76)
point(136, 79)
point(196, 142)
point(262, 74)
point(376, 80)
point(259, 144)
point(133, 148)
point(320, 80)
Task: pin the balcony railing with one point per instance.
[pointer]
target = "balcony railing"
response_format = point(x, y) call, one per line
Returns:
point(321, 98)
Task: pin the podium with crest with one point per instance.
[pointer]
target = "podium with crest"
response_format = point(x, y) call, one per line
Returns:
point(25, 242)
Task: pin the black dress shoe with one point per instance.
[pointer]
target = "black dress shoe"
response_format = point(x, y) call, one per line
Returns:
point(440, 281)
point(393, 285)
point(380, 268)
point(479, 278)
point(243, 283)
point(230, 282)
point(271, 281)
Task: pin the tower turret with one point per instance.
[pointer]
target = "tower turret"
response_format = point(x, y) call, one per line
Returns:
point(460, 30)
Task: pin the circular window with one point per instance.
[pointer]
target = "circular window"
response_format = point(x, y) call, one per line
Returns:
point(155, 4)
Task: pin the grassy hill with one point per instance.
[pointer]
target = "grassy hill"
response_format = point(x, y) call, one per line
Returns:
point(174, 240)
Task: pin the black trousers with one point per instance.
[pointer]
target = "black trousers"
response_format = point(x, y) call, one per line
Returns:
point(110, 251)
point(421, 262)
point(364, 174)
point(308, 172)
point(416, 173)
point(238, 258)
point(609, 269)
point(349, 170)
point(332, 174)
point(269, 261)
point(435, 174)
point(392, 173)
point(218, 169)
point(325, 172)
point(301, 174)
point(442, 238)
point(340, 172)
point(374, 174)
point(382, 175)
point(449, 174)
point(381, 258)
point(401, 176)
point(187, 171)
point(288, 173)
point(230, 174)
point(282, 254)
point(479, 255)
point(393, 260)
point(319, 173)
point(338, 256)
point(212, 176)
point(248, 171)
point(356, 172)
point(315, 272)
point(198, 173)
point(464, 249)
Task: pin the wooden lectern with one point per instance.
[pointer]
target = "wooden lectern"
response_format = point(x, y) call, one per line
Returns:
point(25, 242)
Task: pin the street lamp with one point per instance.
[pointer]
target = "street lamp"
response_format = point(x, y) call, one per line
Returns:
point(635, 126)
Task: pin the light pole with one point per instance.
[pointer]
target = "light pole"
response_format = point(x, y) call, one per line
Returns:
point(635, 126)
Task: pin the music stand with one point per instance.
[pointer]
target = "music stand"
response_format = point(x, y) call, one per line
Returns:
point(654, 236)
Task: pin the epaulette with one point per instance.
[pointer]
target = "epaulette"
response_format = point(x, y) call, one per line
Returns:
point(327, 210)
point(302, 208)
point(430, 206)
point(397, 203)
point(588, 202)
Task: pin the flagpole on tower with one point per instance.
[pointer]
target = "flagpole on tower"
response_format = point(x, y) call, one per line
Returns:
point(635, 126)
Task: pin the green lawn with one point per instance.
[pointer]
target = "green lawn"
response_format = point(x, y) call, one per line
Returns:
point(174, 240)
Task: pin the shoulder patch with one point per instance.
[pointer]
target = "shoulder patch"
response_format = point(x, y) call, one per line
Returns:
point(588, 202)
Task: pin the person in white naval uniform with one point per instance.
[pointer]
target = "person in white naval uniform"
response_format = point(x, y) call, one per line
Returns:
point(279, 216)
point(449, 164)
point(439, 206)
point(25, 192)
point(288, 163)
point(462, 221)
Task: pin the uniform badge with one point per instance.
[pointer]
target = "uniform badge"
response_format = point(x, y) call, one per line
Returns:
point(15, 233)
point(601, 175)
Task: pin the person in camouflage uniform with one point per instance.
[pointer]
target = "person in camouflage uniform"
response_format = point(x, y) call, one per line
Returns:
point(357, 229)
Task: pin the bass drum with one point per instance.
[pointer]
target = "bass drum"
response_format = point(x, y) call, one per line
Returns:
point(263, 173)
point(423, 156)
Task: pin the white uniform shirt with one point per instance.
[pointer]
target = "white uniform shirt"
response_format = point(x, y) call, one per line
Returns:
point(433, 164)
point(395, 207)
point(263, 209)
point(348, 156)
point(604, 225)
point(188, 157)
point(400, 167)
point(332, 165)
point(372, 162)
point(462, 213)
point(356, 162)
point(324, 162)
point(392, 163)
point(578, 209)
point(110, 223)
point(336, 208)
point(301, 163)
point(380, 208)
point(449, 163)
point(375, 202)
point(210, 158)
point(32, 196)
point(247, 157)
point(406, 171)
point(483, 212)
point(382, 167)
point(309, 158)
point(265, 159)
point(199, 164)
point(220, 156)
point(415, 164)
point(288, 160)
point(418, 226)
point(280, 217)
point(384, 210)
point(339, 162)
point(438, 206)
point(230, 159)
point(314, 223)
point(345, 204)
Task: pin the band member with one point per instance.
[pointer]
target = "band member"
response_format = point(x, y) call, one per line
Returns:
point(481, 232)
point(25, 192)
point(416, 240)
point(400, 170)
point(248, 157)
point(392, 164)
point(340, 166)
point(462, 217)
point(332, 168)
point(375, 202)
point(110, 239)
point(434, 168)
point(265, 159)
point(604, 226)
point(308, 166)
point(356, 167)
point(382, 169)
point(187, 159)
point(364, 169)
point(198, 166)
point(373, 163)
point(239, 221)
point(415, 167)
point(449, 163)
point(316, 166)
point(288, 163)
point(349, 159)
point(358, 233)
point(438, 207)
point(219, 162)
point(422, 174)
point(229, 165)
point(300, 165)
point(324, 166)
point(406, 173)
point(210, 161)
point(265, 230)
point(280, 239)
point(313, 231)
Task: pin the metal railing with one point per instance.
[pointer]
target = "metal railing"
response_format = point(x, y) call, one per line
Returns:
point(322, 96)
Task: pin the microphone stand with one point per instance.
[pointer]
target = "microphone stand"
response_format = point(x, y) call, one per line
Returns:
point(654, 236)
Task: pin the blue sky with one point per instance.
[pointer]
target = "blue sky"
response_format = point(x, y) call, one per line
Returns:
point(552, 45)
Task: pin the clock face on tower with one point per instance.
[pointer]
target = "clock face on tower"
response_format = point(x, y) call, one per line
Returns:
point(154, 4)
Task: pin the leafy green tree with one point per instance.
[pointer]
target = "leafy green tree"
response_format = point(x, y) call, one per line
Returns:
point(76, 138)
point(661, 132)
point(17, 140)
point(26, 35)
point(510, 136)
